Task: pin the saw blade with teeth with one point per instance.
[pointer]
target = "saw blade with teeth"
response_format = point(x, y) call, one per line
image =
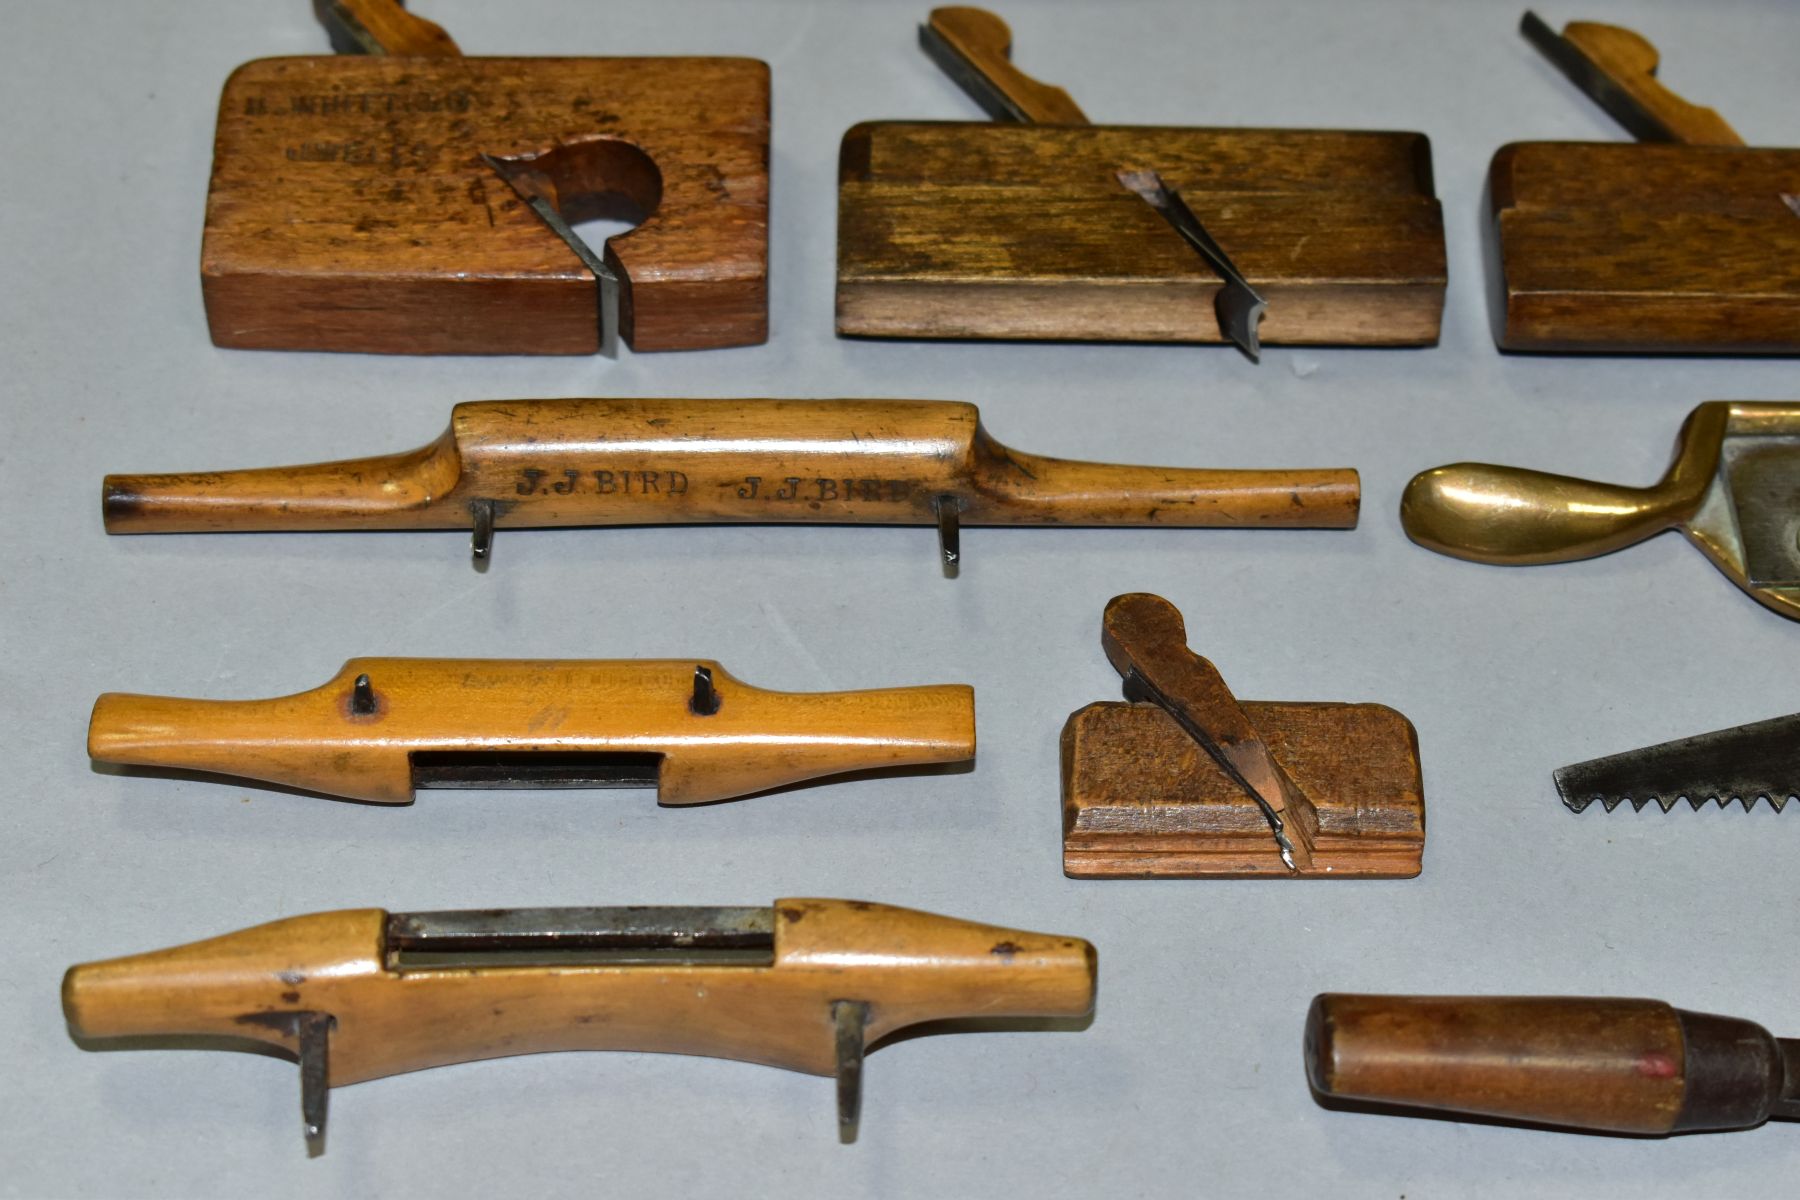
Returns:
point(1745, 764)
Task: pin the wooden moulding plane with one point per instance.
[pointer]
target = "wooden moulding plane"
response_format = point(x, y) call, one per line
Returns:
point(803, 984)
point(1046, 227)
point(1688, 245)
point(1189, 782)
point(541, 463)
point(384, 726)
point(403, 199)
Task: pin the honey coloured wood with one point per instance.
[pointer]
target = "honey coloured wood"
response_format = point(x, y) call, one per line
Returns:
point(650, 462)
point(962, 230)
point(351, 207)
point(383, 726)
point(1621, 1066)
point(644, 980)
point(1646, 248)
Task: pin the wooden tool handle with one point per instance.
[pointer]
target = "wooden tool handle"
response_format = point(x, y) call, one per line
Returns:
point(1630, 61)
point(606, 462)
point(1618, 1066)
point(532, 711)
point(382, 27)
point(908, 966)
point(1513, 516)
point(978, 41)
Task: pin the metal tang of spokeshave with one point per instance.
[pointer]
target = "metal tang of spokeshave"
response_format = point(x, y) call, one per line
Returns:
point(1146, 640)
point(685, 727)
point(1733, 489)
point(547, 463)
point(806, 985)
point(974, 48)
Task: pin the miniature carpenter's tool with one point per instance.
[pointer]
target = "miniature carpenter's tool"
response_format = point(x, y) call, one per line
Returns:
point(535, 463)
point(1733, 489)
point(1690, 245)
point(402, 199)
point(1043, 226)
point(803, 984)
point(1193, 782)
point(1742, 764)
point(1601, 1065)
point(384, 726)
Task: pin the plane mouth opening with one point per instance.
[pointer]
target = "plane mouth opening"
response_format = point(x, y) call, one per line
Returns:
point(581, 937)
point(534, 769)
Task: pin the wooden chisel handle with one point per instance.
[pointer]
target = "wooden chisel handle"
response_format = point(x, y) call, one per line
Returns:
point(1606, 1065)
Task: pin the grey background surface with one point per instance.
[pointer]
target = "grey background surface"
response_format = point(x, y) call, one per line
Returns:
point(1189, 1079)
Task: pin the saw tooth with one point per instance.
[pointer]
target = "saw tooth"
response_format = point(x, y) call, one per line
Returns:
point(1638, 802)
point(1668, 802)
point(1612, 802)
point(1695, 802)
point(1577, 804)
point(1778, 802)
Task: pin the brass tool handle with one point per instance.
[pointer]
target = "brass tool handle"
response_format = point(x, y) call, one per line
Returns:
point(1608, 1065)
point(382, 27)
point(974, 47)
point(1518, 517)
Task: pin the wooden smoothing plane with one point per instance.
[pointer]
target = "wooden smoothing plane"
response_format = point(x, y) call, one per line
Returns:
point(540, 463)
point(1689, 243)
point(1188, 782)
point(384, 726)
point(403, 199)
point(806, 985)
point(1042, 226)
point(1636, 1067)
point(1733, 489)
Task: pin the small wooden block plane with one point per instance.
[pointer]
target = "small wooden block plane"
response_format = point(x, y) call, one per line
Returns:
point(384, 726)
point(1191, 783)
point(546, 463)
point(1579, 1063)
point(1689, 245)
point(1733, 489)
point(403, 199)
point(1046, 227)
point(806, 985)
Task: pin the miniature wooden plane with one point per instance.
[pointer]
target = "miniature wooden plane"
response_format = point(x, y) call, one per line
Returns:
point(384, 726)
point(1189, 782)
point(1045, 227)
point(1690, 244)
point(540, 463)
point(806, 985)
point(403, 199)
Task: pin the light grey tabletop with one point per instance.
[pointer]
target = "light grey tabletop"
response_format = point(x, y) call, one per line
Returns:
point(1189, 1079)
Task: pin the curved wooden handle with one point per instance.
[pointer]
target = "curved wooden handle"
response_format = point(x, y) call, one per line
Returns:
point(908, 966)
point(1617, 1066)
point(754, 739)
point(1517, 517)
